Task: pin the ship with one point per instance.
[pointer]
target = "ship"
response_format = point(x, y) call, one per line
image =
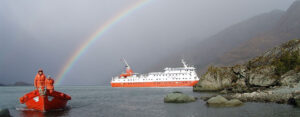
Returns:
point(184, 76)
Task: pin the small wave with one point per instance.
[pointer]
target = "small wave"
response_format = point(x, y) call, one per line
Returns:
point(27, 109)
point(24, 109)
point(78, 105)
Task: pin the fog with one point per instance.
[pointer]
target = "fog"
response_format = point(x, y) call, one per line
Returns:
point(45, 34)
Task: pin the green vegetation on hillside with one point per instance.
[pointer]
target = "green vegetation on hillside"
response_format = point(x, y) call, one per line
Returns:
point(286, 62)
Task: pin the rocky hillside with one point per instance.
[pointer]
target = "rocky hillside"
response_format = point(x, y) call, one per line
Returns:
point(279, 66)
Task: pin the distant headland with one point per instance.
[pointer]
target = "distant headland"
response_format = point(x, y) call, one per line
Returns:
point(19, 83)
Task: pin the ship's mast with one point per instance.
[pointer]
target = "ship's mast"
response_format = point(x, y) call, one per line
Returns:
point(184, 64)
point(125, 62)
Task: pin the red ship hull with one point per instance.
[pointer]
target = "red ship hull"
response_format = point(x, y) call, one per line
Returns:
point(156, 84)
point(49, 101)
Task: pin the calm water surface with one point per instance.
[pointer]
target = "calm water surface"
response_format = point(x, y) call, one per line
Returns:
point(96, 101)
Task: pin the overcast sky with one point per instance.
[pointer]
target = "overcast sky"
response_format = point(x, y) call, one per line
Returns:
point(45, 33)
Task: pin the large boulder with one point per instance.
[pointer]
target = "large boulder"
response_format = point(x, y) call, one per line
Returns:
point(220, 101)
point(178, 97)
point(215, 79)
point(217, 100)
point(262, 76)
point(4, 113)
point(290, 78)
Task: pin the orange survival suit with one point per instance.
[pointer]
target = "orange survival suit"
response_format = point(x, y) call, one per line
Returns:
point(39, 80)
point(49, 84)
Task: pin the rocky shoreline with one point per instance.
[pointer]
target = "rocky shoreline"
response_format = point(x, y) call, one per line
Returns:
point(272, 77)
point(278, 95)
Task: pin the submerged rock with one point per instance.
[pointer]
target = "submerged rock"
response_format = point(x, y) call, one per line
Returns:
point(234, 102)
point(4, 113)
point(178, 97)
point(220, 101)
point(217, 100)
point(223, 91)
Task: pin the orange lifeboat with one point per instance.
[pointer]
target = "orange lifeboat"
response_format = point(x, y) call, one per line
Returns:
point(45, 100)
point(37, 101)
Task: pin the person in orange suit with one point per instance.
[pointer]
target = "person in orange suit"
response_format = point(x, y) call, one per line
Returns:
point(50, 84)
point(39, 81)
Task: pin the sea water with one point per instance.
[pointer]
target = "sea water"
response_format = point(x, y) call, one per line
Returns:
point(105, 101)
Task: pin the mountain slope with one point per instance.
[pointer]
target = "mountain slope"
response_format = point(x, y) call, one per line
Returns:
point(202, 53)
point(287, 28)
point(241, 41)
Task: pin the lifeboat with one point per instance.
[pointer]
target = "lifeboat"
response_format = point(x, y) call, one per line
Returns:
point(45, 100)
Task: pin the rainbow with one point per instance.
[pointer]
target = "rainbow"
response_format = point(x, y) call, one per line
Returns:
point(97, 35)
